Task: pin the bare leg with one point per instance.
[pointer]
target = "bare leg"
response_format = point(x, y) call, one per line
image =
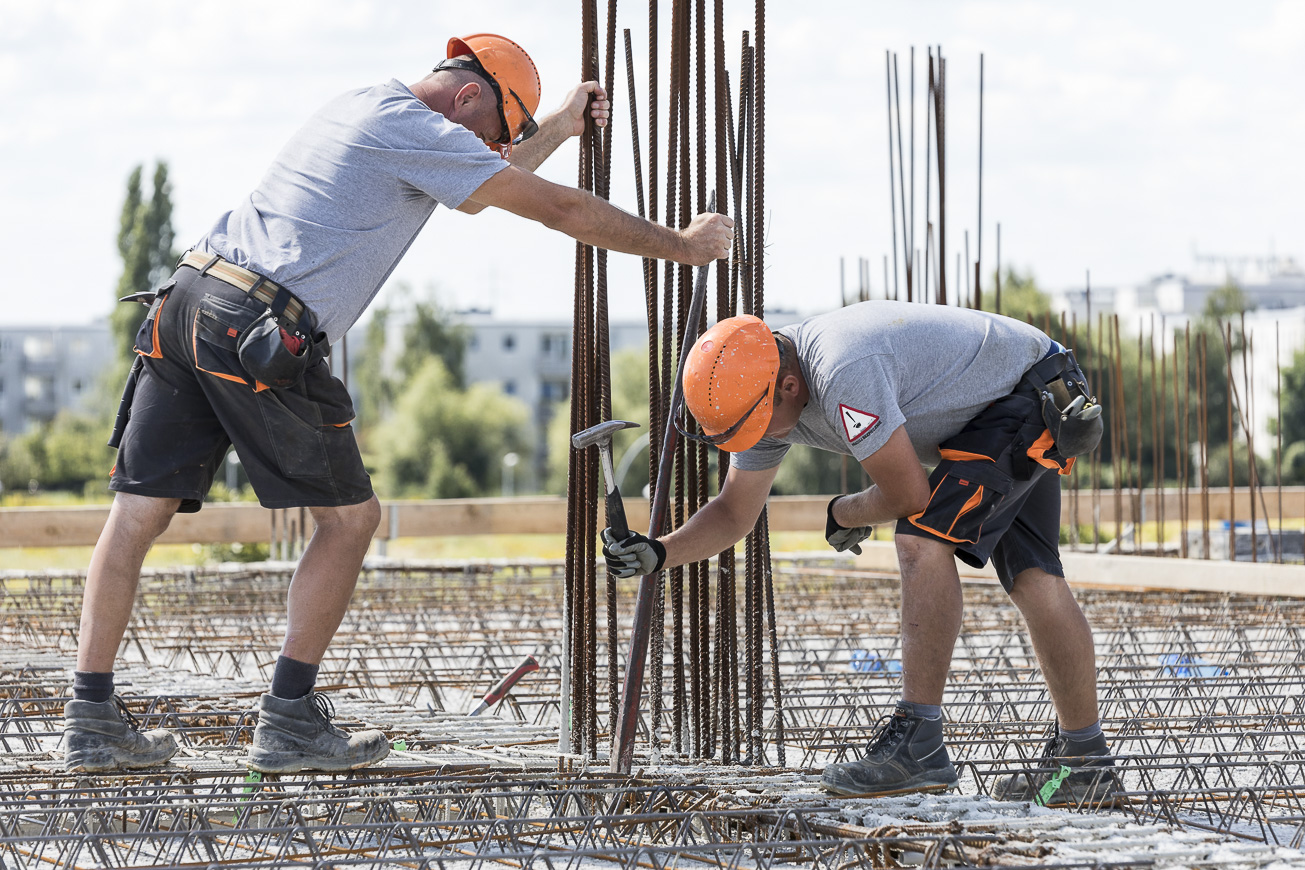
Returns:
point(1063, 642)
point(135, 521)
point(931, 616)
point(324, 581)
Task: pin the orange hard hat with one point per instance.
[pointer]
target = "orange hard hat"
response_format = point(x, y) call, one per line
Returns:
point(513, 76)
point(729, 379)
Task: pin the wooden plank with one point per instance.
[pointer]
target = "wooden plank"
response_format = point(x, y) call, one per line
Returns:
point(246, 522)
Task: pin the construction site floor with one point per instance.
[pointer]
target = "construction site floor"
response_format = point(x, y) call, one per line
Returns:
point(1202, 698)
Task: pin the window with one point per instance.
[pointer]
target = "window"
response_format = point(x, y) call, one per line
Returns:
point(38, 346)
point(509, 341)
point(553, 344)
point(510, 387)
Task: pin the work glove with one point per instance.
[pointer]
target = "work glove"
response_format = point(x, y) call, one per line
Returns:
point(840, 538)
point(635, 555)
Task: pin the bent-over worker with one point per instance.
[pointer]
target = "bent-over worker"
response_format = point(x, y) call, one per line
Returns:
point(898, 387)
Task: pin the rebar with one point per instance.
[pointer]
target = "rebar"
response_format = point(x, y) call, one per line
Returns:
point(1202, 699)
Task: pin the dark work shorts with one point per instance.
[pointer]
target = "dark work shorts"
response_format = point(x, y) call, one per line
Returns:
point(983, 509)
point(193, 400)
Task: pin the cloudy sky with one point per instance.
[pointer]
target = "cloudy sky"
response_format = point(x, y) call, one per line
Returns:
point(1120, 137)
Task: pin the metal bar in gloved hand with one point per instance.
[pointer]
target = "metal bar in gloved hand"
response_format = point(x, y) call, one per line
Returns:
point(628, 715)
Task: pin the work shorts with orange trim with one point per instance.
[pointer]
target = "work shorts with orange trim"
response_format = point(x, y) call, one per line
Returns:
point(193, 401)
point(996, 493)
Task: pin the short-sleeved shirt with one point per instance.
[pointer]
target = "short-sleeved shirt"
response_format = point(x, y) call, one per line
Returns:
point(344, 200)
point(875, 366)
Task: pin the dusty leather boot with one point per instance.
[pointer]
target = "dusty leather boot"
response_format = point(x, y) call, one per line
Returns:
point(103, 736)
point(298, 735)
point(907, 755)
point(1068, 774)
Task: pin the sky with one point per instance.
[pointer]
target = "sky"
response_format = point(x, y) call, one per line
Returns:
point(1119, 138)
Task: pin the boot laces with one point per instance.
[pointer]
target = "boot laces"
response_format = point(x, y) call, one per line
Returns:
point(890, 735)
point(132, 722)
point(323, 706)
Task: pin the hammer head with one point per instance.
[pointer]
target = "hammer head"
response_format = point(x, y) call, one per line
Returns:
point(600, 434)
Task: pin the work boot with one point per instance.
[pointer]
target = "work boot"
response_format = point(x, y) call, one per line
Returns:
point(1069, 774)
point(907, 755)
point(298, 735)
point(100, 736)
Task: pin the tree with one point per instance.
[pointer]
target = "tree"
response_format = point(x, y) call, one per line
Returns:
point(442, 442)
point(1291, 421)
point(384, 368)
point(145, 239)
point(1021, 297)
point(629, 402)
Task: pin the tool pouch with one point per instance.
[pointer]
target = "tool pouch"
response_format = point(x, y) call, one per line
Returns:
point(969, 483)
point(264, 354)
point(124, 404)
point(147, 336)
point(1075, 426)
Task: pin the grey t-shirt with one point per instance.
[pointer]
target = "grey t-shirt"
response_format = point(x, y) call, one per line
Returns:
point(346, 197)
point(875, 366)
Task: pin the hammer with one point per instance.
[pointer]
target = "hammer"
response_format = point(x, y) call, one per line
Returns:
point(601, 435)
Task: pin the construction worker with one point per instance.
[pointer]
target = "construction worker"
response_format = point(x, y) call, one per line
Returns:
point(231, 353)
point(999, 410)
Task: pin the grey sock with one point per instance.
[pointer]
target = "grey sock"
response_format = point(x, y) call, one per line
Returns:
point(928, 711)
point(92, 686)
point(292, 679)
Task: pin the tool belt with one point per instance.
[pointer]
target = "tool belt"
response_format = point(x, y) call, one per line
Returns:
point(1069, 410)
point(284, 305)
point(274, 348)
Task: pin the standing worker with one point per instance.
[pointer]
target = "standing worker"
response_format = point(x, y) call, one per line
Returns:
point(231, 353)
point(999, 408)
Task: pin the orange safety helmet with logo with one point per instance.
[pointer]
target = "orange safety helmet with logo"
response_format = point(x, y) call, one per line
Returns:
point(729, 379)
point(511, 75)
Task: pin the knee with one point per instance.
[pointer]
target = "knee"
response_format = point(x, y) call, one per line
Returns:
point(355, 520)
point(916, 554)
point(142, 517)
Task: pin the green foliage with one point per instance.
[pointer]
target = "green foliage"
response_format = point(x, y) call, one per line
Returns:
point(383, 369)
point(442, 442)
point(68, 453)
point(1021, 297)
point(1291, 420)
point(629, 402)
point(810, 471)
point(258, 551)
point(145, 239)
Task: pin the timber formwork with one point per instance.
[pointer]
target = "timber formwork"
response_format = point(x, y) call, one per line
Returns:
point(1202, 696)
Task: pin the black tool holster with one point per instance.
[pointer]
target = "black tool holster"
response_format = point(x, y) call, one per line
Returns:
point(1058, 382)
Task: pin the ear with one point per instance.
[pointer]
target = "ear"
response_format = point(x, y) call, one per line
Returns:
point(789, 385)
point(467, 94)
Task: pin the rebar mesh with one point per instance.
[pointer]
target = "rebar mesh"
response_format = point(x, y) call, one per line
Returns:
point(1201, 696)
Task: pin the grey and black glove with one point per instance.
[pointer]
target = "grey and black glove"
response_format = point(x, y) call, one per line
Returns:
point(841, 538)
point(635, 555)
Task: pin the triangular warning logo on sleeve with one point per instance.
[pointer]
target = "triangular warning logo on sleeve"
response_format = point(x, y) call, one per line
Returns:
point(856, 423)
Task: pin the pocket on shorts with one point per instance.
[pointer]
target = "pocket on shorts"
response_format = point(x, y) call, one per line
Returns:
point(147, 336)
point(309, 423)
point(964, 494)
point(215, 332)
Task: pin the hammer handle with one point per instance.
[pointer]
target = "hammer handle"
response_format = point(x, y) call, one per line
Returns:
point(505, 685)
point(616, 515)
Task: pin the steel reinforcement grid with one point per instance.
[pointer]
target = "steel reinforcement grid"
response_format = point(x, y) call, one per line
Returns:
point(1201, 696)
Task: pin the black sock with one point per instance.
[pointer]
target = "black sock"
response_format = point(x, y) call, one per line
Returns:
point(292, 679)
point(92, 686)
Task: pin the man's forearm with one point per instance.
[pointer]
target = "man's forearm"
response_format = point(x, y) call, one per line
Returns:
point(869, 507)
point(531, 154)
point(707, 533)
point(597, 222)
